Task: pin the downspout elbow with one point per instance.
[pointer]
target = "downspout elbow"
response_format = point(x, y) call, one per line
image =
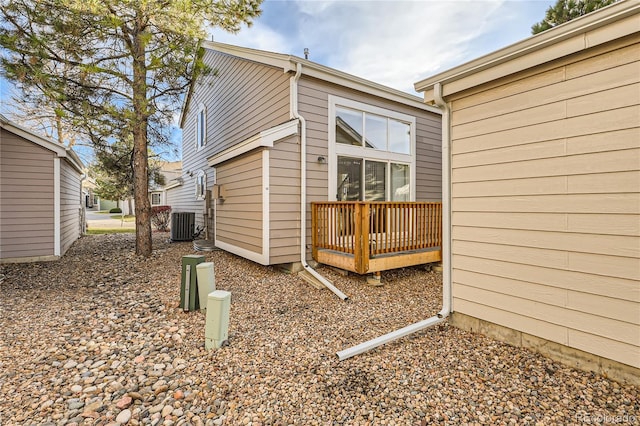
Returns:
point(303, 186)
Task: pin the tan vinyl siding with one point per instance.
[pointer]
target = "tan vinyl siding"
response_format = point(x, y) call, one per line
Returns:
point(546, 201)
point(239, 216)
point(26, 198)
point(69, 206)
point(284, 190)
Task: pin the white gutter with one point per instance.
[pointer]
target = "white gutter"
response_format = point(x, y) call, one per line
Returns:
point(303, 186)
point(446, 248)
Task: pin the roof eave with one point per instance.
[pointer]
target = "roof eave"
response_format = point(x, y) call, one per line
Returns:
point(330, 75)
point(74, 160)
point(288, 63)
point(59, 149)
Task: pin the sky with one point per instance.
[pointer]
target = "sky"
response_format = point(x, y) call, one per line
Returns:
point(395, 43)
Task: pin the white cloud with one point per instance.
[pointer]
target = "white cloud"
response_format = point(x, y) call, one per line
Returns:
point(395, 43)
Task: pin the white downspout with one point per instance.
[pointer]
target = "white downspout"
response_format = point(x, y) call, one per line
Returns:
point(303, 186)
point(446, 247)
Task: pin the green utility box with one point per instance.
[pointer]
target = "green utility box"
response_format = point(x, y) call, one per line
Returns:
point(189, 283)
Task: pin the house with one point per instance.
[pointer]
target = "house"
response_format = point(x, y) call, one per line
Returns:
point(92, 201)
point(41, 206)
point(245, 129)
point(171, 171)
point(542, 190)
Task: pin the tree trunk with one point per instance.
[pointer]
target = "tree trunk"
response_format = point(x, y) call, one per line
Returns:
point(129, 206)
point(140, 153)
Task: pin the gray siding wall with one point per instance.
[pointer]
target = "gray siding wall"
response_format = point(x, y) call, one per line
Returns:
point(284, 199)
point(314, 107)
point(313, 100)
point(239, 215)
point(26, 198)
point(173, 196)
point(242, 99)
point(70, 205)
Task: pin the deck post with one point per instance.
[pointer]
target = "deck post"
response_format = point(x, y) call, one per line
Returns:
point(314, 230)
point(364, 237)
point(357, 242)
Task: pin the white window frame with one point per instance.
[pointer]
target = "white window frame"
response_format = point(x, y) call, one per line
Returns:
point(372, 154)
point(201, 136)
point(159, 194)
point(201, 190)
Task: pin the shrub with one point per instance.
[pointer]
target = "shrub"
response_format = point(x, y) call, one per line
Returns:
point(115, 210)
point(160, 216)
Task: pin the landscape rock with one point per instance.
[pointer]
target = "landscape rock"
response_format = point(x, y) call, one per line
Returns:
point(123, 417)
point(97, 337)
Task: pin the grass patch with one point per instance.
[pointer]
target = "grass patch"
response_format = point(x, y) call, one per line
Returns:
point(127, 217)
point(95, 231)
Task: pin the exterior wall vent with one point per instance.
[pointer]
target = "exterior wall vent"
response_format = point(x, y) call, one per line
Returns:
point(182, 226)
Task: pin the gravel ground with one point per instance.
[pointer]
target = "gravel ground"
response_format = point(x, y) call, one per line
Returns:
point(98, 338)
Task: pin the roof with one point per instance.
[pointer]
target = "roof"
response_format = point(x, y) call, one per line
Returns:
point(172, 171)
point(59, 149)
point(569, 38)
point(288, 64)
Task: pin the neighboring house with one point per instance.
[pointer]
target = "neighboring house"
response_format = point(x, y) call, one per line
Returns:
point(172, 171)
point(94, 202)
point(90, 199)
point(544, 137)
point(41, 206)
point(244, 129)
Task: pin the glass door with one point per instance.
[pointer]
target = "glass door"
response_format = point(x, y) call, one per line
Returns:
point(349, 179)
point(375, 181)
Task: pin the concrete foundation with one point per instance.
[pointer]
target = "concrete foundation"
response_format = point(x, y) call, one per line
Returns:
point(575, 358)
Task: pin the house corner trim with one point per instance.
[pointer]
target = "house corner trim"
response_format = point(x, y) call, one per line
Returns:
point(56, 206)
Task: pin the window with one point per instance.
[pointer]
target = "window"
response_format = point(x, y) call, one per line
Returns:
point(371, 151)
point(155, 199)
point(201, 185)
point(359, 128)
point(201, 127)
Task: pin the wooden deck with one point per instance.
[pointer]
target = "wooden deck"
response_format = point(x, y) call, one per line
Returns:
point(366, 237)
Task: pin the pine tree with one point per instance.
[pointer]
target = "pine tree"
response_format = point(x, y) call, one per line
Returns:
point(566, 10)
point(113, 171)
point(116, 68)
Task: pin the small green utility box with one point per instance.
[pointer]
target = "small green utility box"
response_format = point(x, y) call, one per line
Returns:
point(189, 284)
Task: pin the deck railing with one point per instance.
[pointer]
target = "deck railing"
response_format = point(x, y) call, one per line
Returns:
point(369, 229)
